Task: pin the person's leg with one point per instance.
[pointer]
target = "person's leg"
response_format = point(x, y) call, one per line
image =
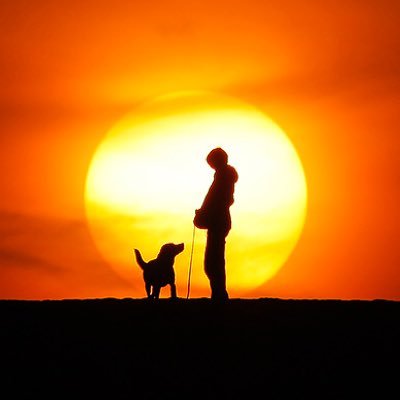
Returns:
point(214, 263)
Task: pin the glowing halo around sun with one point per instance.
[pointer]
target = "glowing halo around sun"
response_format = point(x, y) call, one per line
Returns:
point(149, 174)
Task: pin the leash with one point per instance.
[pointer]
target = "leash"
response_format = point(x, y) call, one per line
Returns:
point(190, 263)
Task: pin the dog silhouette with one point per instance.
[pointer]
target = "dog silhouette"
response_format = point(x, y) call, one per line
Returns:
point(160, 272)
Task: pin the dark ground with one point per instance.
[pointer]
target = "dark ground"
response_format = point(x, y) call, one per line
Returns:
point(264, 348)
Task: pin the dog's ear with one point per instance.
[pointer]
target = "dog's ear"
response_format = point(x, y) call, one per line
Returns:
point(167, 250)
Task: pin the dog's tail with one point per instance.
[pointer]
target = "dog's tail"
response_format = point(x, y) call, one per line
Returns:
point(139, 259)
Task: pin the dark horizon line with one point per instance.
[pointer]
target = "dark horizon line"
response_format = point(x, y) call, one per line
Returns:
point(196, 299)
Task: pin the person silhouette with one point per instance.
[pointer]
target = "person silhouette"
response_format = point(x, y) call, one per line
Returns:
point(214, 215)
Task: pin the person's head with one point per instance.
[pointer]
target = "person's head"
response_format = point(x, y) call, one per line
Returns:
point(217, 158)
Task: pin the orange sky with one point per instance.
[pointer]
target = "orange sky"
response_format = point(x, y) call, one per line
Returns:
point(327, 72)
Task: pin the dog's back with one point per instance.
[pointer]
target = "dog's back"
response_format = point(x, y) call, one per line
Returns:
point(157, 272)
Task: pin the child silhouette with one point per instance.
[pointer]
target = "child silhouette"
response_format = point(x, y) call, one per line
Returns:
point(214, 215)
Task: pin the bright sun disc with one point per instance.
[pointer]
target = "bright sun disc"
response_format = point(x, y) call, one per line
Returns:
point(149, 174)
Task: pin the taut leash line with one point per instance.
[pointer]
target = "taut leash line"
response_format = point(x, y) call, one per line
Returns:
point(190, 263)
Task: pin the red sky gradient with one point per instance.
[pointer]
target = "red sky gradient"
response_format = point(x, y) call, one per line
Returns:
point(327, 72)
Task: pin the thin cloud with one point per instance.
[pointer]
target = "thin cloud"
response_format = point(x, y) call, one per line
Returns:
point(57, 249)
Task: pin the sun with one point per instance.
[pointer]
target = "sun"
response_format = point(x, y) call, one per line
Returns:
point(149, 174)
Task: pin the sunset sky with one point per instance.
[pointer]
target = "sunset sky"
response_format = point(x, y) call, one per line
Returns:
point(327, 72)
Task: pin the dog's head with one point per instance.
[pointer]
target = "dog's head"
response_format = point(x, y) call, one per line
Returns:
point(171, 250)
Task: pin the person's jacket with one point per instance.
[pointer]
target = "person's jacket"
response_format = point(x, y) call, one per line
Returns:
point(219, 198)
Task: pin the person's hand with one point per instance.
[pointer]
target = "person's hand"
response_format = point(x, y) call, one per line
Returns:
point(200, 220)
point(195, 214)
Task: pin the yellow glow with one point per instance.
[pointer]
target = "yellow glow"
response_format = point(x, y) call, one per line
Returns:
point(149, 175)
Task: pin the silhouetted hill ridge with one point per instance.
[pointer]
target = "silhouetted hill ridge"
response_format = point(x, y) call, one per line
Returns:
point(135, 348)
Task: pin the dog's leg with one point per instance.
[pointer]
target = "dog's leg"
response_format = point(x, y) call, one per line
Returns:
point(148, 289)
point(173, 291)
point(156, 292)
